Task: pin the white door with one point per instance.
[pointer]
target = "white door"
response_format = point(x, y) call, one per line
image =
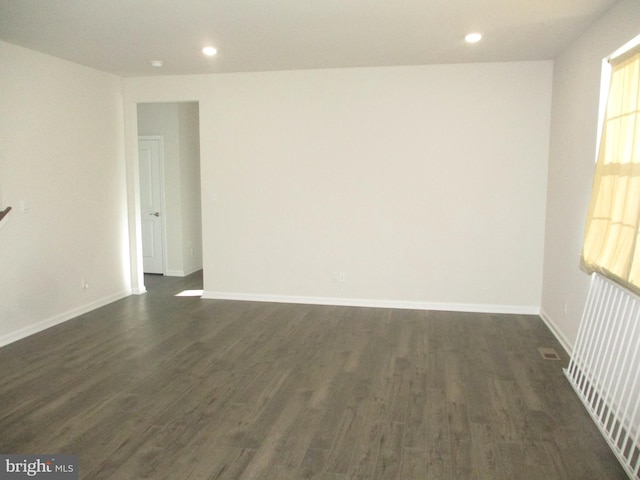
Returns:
point(151, 202)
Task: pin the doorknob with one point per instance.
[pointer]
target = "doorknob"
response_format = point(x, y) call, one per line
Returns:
point(156, 214)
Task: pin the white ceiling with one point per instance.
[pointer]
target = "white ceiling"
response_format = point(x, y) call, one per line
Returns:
point(122, 36)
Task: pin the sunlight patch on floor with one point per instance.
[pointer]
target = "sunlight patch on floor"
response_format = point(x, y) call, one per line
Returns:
point(190, 293)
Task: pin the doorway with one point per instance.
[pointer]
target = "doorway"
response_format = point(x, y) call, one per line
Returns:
point(172, 225)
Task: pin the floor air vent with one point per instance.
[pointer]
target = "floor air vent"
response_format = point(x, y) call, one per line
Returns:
point(549, 353)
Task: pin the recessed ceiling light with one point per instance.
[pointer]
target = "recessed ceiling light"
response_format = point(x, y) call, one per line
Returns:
point(156, 63)
point(473, 37)
point(209, 51)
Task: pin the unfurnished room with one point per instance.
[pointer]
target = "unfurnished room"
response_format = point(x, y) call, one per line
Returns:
point(320, 240)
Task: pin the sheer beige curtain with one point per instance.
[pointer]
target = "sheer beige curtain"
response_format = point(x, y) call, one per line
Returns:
point(611, 245)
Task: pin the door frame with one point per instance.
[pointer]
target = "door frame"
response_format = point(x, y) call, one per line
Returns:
point(160, 140)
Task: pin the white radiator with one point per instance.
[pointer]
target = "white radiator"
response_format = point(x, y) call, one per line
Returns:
point(605, 367)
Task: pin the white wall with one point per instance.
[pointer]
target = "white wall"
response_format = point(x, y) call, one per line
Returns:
point(574, 122)
point(189, 131)
point(61, 153)
point(425, 185)
point(178, 124)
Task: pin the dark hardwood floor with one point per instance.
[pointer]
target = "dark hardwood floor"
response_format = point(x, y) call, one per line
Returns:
point(164, 387)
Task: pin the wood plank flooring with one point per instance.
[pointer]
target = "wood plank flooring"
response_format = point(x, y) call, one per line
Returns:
point(164, 387)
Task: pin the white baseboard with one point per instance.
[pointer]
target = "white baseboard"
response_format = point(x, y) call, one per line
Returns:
point(366, 302)
point(174, 273)
point(556, 332)
point(181, 273)
point(60, 318)
point(191, 270)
